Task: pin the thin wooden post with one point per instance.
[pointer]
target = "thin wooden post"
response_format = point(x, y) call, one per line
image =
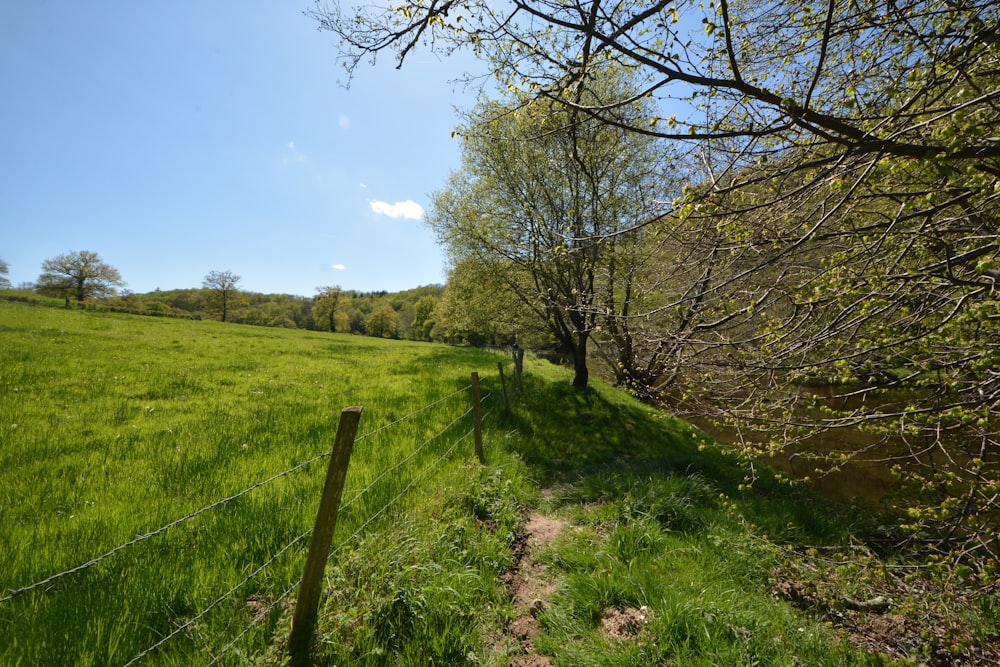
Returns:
point(307, 605)
point(519, 368)
point(477, 418)
point(503, 388)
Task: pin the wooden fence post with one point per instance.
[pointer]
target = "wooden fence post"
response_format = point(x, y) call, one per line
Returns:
point(519, 367)
point(307, 605)
point(477, 418)
point(503, 388)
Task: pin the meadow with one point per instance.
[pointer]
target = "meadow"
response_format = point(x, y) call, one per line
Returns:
point(113, 427)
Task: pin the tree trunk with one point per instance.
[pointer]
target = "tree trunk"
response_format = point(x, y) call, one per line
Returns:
point(581, 374)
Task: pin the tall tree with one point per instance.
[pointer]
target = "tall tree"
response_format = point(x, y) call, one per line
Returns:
point(223, 291)
point(325, 307)
point(545, 199)
point(846, 204)
point(423, 317)
point(382, 322)
point(4, 270)
point(78, 275)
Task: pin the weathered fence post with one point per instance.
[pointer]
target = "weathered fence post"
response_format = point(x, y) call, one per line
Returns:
point(519, 367)
point(503, 388)
point(307, 605)
point(477, 418)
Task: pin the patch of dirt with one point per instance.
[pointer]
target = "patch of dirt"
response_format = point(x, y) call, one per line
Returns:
point(623, 624)
point(530, 661)
point(871, 625)
point(530, 588)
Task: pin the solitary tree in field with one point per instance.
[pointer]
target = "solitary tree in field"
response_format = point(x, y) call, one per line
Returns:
point(223, 291)
point(325, 306)
point(78, 275)
point(4, 270)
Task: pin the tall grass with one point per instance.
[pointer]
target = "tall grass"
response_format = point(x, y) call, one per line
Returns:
point(113, 426)
point(659, 522)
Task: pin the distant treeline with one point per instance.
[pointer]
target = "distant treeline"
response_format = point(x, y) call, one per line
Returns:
point(381, 314)
point(402, 315)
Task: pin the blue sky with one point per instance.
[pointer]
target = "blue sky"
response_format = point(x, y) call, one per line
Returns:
point(177, 138)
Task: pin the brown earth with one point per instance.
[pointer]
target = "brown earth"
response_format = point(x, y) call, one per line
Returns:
point(872, 626)
point(530, 589)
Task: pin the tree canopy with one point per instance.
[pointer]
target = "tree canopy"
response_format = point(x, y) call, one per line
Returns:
point(839, 227)
point(223, 291)
point(325, 307)
point(544, 202)
point(78, 275)
point(864, 76)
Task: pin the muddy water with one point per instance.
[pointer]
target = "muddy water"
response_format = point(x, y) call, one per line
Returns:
point(867, 477)
point(868, 482)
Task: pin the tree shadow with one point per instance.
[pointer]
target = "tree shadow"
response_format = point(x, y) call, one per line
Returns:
point(568, 436)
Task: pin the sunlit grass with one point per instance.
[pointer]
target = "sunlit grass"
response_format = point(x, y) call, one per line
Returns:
point(113, 426)
point(658, 522)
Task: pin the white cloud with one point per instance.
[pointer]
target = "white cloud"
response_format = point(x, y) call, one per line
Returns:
point(402, 209)
point(344, 122)
point(338, 267)
point(293, 154)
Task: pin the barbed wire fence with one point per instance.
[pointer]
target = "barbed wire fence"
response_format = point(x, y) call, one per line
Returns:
point(474, 431)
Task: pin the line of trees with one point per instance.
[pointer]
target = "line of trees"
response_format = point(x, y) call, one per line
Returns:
point(413, 314)
point(416, 314)
point(837, 226)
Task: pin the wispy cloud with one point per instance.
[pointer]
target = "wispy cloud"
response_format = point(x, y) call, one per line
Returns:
point(293, 154)
point(338, 267)
point(344, 122)
point(408, 209)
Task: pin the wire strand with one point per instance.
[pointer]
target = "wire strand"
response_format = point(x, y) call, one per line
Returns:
point(341, 545)
point(218, 600)
point(412, 414)
point(141, 538)
point(12, 593)
point(405, 460)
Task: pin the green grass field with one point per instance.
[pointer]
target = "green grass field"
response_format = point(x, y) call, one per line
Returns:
point(113, 426)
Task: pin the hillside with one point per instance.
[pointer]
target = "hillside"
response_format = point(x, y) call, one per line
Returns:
point(598, 531)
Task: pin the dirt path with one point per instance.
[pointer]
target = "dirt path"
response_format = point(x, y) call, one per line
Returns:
point(530, 587)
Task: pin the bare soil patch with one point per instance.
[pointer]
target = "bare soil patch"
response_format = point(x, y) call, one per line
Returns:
point(623, 624)
point(530, 589)
point(876, 625)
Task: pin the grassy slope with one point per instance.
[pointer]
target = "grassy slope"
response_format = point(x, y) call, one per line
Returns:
point(114, 425)
point(117, 414)
point(658, 522)
point(658, 519)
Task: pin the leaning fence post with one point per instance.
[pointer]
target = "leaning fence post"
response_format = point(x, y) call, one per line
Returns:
point(519, 367)
point(307, 605)
point(477, 418)
point(503, 388)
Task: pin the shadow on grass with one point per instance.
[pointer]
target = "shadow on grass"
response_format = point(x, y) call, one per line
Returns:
point(588, 438)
